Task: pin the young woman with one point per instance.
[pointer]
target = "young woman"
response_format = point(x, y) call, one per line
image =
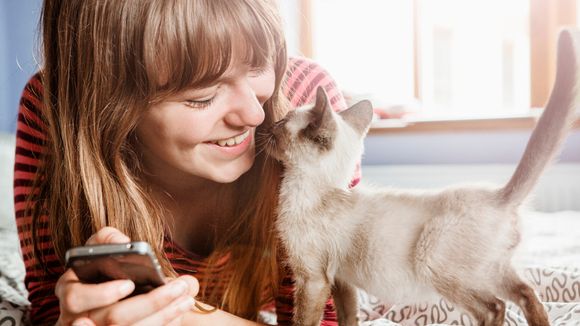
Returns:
point(143, 124)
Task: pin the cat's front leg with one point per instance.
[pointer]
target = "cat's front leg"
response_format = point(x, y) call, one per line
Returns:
point(346, 303)
point(309, 299)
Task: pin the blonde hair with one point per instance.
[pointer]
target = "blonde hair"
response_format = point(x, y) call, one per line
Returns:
point(105, 62)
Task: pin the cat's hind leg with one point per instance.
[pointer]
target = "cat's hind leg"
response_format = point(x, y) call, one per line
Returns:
point(485, 308)
point(524, 296)
point(346, 303)
point(310, 298)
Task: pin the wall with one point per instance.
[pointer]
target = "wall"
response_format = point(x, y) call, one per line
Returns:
point(18, 35)
point(435, 160)
point(457, 148)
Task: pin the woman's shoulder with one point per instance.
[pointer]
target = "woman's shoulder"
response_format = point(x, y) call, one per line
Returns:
point(33, 87)
point(31, 104)
point(303, 77)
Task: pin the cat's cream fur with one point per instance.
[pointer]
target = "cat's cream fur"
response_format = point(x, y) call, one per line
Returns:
point(402, 245)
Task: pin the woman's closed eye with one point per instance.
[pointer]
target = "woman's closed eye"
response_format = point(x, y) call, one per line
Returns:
point(257, 71)
point(199, 104)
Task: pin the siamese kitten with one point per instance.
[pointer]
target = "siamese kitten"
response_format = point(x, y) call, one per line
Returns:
point(404, 245)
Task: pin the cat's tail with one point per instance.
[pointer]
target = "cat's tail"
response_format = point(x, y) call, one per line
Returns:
point(554, 123)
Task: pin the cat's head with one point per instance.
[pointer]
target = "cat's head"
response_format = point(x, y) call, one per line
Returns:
point(318, 138)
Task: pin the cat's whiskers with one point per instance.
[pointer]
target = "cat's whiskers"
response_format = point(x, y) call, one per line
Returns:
point(263, 141)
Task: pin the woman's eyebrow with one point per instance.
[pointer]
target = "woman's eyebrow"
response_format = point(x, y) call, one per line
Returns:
point(231, 74)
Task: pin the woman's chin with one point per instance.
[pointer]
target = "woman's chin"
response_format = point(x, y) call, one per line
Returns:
point(230, 174)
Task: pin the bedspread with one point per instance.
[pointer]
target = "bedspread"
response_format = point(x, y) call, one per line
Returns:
point(13, 302)
point(549, 256)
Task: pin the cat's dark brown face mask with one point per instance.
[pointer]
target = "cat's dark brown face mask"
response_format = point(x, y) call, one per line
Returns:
point(277, 138)
point(303, 130)
point(313, 132)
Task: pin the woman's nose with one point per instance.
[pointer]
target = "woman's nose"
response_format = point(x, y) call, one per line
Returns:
point(245, 107)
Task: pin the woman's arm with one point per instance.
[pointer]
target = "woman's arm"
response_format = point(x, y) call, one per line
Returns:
point(303, 77)
point(30, 137)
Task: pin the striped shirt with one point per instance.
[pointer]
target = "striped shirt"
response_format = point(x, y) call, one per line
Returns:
point(302, 78)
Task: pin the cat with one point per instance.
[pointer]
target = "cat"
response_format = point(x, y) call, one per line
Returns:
point(402, 245)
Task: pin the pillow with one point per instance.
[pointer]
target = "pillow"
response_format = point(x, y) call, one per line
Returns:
point(7, 148)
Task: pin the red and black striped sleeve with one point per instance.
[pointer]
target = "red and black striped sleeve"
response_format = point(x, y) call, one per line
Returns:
point(30, 146)
point(303, 77)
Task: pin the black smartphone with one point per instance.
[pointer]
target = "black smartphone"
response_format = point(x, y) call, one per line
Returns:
point(100, 263)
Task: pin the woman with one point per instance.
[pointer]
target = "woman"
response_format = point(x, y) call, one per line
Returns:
point(142, 125)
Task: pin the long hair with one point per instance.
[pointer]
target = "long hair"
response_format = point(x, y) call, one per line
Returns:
point(104, 63)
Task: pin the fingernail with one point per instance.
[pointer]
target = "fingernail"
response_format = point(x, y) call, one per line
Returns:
point(185, 304)
point(80, 323)
point(126, 287)
point(177, 288)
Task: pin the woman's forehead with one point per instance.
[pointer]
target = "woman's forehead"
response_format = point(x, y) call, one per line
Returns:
point(207, 55)
point(240, 63)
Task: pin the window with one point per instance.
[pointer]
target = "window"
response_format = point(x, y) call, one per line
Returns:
point(367, 47)
point(455, 57)
point(473, 56)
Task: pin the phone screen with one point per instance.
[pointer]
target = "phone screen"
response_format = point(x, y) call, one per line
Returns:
point(106, 264)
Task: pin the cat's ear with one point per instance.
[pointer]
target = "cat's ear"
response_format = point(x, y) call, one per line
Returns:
point(322, 111)
point(359, 116)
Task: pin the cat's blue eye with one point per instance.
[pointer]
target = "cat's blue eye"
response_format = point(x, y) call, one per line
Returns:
point(199, 104)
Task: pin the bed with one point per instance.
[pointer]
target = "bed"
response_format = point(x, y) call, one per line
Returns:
point(549, 257)
point(13, 295)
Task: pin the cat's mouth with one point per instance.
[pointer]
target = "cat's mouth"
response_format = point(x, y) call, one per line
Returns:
point(273, 140)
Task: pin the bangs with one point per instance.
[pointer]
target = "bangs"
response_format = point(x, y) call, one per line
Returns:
point(189, 44)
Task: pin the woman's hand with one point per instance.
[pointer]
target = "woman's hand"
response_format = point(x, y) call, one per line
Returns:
point(99, 304)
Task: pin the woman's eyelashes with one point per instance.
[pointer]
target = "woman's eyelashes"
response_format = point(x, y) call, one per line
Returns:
point(257, 71)
point(199, 104)
point(203, 103)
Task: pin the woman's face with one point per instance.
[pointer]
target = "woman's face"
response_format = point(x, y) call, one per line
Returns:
point(207, 132)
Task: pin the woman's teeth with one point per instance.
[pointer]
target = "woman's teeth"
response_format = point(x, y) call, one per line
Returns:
point(232, 141)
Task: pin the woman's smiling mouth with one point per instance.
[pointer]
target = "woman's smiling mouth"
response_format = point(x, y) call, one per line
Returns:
point(233, 146)
point(233, 141)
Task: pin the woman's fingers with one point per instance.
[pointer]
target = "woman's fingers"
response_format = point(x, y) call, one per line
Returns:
point(192, 282)
point(76, 297)
point(67, 277)
point(83, 321)
point(101, 302)
point(173, 311)
point(168, 301)
point(108, 235)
